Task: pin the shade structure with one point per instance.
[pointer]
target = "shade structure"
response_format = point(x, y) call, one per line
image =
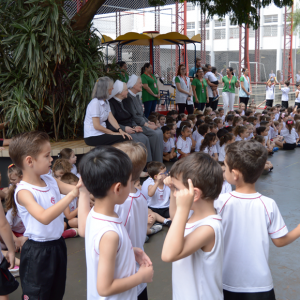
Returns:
point(152, 39)
point(105, 39)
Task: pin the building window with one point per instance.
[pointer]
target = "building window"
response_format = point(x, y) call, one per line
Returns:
point(220, 23)
point(271, 19)
point(190, 6)
point(190, 25)
point(190, 34)
point(234, 33)
point(270, 30)
point(220, 34)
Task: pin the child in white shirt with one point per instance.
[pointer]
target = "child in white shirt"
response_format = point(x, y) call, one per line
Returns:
point(169, 153)
point(70, 156)
point(225, 140)
point(155, 191)
point(134, 211)
point(290, 136)
point(202, 130)
point(106, 173)
point(241, 133)
point(246, 211)
point(185, 141)
point(208, 145)
point(40, 207)
point(285, 94)
point(194, 242)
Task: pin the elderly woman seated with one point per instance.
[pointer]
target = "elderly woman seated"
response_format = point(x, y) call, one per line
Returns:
point(134, 106)
point(124, 118)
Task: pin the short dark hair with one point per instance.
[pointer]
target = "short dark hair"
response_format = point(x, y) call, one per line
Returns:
point(65, 153)
point(26, 144)
point(211, 180)
point(203, 128)
point(102, 167)
point(154, 167)
point(260, 129)
point(161, 116)
point(69, 178)
point(121, 63)
point(165, 129)
point(248, 157)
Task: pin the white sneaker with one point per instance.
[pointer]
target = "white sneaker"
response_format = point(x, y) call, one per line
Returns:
point(155, 229)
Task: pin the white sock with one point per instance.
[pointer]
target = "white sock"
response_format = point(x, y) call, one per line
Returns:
point(165, 221)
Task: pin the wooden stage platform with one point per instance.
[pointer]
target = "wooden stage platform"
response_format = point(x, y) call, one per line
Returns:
point(78, 146)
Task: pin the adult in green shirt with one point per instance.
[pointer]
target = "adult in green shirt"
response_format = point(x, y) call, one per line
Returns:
point(230, 82)
point(150, 93)
point(123, 76)
point(200, 92)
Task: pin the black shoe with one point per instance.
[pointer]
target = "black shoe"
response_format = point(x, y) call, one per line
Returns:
point(168, 223)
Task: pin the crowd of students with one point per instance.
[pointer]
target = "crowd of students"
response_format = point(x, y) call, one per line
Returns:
point(213, 232)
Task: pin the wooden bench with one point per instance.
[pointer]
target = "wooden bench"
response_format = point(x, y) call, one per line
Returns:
point(79, 147)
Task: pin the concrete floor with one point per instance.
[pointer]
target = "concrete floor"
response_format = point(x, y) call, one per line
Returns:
point(282, 185)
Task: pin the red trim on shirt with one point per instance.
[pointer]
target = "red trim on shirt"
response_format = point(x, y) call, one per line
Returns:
point(278, 230)
point(225, 204)
point(245, 198)
point(129, 210)
point(266, 210)
point(217, 219)
point(107, 220)
point(40, 190)
point(143, 196)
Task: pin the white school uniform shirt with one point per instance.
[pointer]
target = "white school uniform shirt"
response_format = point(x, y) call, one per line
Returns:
point(297, 100)
point(72, 205)
point(196, 135)
point(285, 94)
point(15, 222)
point(74, 171)
point(226, 187)
point(248, 221)
point(270, 92)
point(95, 109)
point(222, 153)
point(96, 226)
point(46, 197)
point(210, 76)
point(198, 143)
point(251, 135)
point(218, 146)
point(273, 133)
point(199, 275)
point(277, 116)
point(243, 113)
point(178, 124)
point(290, 138)
point(134, 215)
point(161, 197)
point(223, 118)
point(169, 145)
point(238, 138)
point(184, 146)
point(210, 150)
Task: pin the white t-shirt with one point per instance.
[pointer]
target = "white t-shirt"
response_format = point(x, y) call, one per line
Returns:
point(222, 153)
point(297, 77)
point(273, 133)
point(290, 138)
point(199, 275)
point(198, 143)
point(211, 77)
point(226, 187)
point(251, 135)
point(248, 220)
point(96, 226)
point(169, 145)
point(210, 150)
point(160, 199)
point(73, 205)
point(270, 92)
point(285, 94)
point(196, 135)
point(218, 146)
point(96, 109)
point(297, 100)
point(184, 146)
point(15, 222)
point(134, 215)
point(74, 171)
point(178, 124)
point(238, 138)
point(277, 116)
point(46, 197)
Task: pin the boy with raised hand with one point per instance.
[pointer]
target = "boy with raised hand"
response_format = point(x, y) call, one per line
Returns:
point(249, 218)
point(194, 242)
point(110, 257)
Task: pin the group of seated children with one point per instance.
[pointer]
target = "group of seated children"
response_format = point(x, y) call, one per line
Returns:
point(275, 127)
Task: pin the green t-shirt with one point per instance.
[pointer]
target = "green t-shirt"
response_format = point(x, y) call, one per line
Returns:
point(200, 90)
point(152, 83)
point(233, 81)
point(124, 78)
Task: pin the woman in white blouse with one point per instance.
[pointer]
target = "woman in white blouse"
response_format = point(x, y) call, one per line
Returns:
point(97, 113)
